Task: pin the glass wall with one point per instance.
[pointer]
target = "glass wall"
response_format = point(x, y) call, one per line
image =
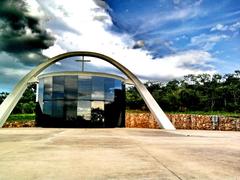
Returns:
point(109, 87)
point(97, 88)
point(47, 95)
point(40, 93)
point(84, 87)
point(70, 108)
point(84, 110)
point(84, 101)
point(58, 87)
point(57, 108)
point(71, 88)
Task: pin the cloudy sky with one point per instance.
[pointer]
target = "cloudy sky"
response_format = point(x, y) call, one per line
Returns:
point(156, 39)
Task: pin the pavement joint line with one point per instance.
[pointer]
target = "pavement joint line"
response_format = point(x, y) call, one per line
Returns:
point(55, 135)
point(158, 162)
point(154, 158)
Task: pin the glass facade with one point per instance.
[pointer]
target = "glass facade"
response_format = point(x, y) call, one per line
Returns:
point(81, 101)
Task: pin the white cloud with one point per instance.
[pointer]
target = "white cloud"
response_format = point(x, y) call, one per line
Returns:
point(182, 14)
point(220, 27)
point(34, 8)
point(93, 35)
point(176, 1)
point(207, 41)
point(159, 19)
point(235, 27)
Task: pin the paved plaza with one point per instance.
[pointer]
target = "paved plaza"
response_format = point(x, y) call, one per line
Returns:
point(37, 153)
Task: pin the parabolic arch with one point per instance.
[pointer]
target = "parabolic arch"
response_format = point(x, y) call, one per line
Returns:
point(10, 102)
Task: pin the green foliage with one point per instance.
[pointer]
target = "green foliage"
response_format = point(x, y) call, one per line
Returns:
point(201, 92)
point(133, 99)
point(3, 95)
point(27, 102)
point(219, 113)
point(21, 117)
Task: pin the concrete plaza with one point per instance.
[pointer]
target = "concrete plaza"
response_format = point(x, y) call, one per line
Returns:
point(37, 153)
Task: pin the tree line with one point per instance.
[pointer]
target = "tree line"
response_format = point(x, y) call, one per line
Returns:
point(26, 104)
point(201, 92)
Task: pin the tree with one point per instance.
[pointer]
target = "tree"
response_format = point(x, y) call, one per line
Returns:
point(201, 92)
point(27, 103)
point(3, 95)
point(133, 99)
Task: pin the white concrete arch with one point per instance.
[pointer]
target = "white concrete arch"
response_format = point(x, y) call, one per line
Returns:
point(10, 102)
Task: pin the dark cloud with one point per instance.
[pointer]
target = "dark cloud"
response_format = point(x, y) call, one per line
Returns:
point(196, 66)
point(102, 18)
point(138, 44)
point(21, 34)
point(58, 26)
point(7, 83)
point(159, 48)
point(12, 70)
point(30, 58)
point(102, 4)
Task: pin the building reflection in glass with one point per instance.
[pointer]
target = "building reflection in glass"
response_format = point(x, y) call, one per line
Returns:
point(84, 110)
point(80, 101)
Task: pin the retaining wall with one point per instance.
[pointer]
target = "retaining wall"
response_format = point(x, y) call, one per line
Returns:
point(185, 121)
point(180, 121)
point(19, 124)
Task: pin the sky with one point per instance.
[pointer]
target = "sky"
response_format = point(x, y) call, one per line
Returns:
point(156, 39)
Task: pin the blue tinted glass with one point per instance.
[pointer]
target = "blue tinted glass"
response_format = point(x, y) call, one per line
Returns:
point(70, 87)
point(84, 87)
point(97, 88)
point(71, 110)
point(118, 84)
point(47, 108)
point(40, 93)
point(57, 108)
point(58, 87)
point(99, 100)
point(109, 89)
point(47, 88)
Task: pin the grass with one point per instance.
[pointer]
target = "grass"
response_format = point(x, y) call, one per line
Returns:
point(136, 111)
point(21, 117)
point(28, 117)
point(219, 113)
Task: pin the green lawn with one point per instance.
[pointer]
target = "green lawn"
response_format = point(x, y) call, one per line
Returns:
point(219, 113)
point(21, 117)
point(28, 117)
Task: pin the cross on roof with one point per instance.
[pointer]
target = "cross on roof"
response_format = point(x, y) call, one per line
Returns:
point(82, 60)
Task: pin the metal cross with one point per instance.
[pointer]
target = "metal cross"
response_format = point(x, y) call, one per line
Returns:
point(82, 60)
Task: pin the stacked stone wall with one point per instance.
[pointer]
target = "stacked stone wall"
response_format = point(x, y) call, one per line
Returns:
point(180, 121)
point(185, 121)
point(18, 124)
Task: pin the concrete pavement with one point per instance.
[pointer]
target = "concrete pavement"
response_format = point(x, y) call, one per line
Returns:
point(37, 153)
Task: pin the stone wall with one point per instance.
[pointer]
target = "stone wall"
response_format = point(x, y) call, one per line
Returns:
point(180, 121)
point(185, 121)
point(18, 124)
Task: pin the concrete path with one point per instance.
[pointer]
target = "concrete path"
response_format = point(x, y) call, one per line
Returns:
point(35, 153)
